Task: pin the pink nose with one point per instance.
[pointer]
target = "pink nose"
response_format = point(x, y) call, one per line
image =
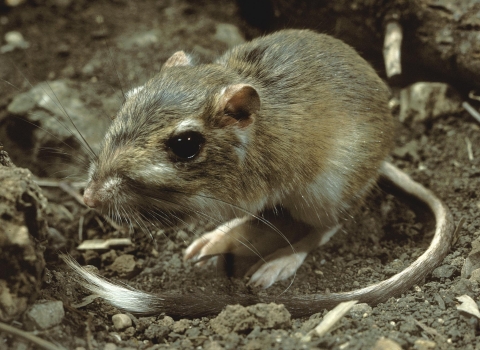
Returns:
point(90, 199)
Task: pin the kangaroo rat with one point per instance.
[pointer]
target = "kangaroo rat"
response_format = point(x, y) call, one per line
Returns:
point(296, 120)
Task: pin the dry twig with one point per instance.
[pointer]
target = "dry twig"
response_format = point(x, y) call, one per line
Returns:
point(70, 188)
point(473, 112)
point(29, 337)
point(80, 228)
point(392, 48)
point(330, 319)
point(469, 148)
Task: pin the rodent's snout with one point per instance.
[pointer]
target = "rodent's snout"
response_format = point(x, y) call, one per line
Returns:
point(101, 192)
point(89, 198)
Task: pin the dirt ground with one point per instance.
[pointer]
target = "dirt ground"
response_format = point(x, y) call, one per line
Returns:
point(89, 51)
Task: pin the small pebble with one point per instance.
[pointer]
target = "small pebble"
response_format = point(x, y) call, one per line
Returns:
point(359, 310)
point(236, 318)
point(124, 266)
point(110, 346)
point(386, 344)
point(13, 3)
point(14, 41)
point(424, 101)
point(44, 314)
point(181, 326)
point(13, 37)
point(121, 321)
point(19, 237)
point(475, 276)
point(229, 34)
point(183, 236)
point(444, 271)
point(423, 344)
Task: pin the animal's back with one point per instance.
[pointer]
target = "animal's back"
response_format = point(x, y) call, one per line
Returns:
point(327, 101)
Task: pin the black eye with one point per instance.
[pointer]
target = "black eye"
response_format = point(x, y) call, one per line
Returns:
point(186, 146)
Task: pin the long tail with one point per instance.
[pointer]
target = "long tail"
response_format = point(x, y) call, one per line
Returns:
point(413, 274)
point(199, 304)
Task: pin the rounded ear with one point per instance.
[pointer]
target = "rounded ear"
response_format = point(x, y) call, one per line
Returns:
point(179, 58)
point(239, 102)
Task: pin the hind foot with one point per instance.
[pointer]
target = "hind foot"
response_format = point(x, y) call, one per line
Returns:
point(284, 263)
point(274, 257)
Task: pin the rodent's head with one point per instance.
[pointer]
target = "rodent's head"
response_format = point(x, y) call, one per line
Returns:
point(177, 145)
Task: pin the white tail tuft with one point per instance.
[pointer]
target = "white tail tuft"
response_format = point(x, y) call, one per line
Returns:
point(123, 297)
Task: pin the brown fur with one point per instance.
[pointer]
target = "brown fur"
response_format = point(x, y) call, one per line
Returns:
point(279, 115)
point(322, 107)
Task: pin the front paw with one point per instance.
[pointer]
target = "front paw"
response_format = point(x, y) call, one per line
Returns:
point(219, 241)
point(205, 247)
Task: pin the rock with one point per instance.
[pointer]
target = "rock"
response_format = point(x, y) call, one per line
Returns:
point(472, 262)
point(408, 151)
point(475, 276)
point(38, 122)
point(156, 332)
point(4, 158)
point(181, 326)
point(142, 323)
point(52, 100)
point(423, 344)
point(11, 304)
point(386, 344)
point(23, 211)
point(229, 34)
point(408, 325)
point(124, 266)
point(56, 240)
point(212, 345)
point(424, 101)
point(166, 321)
point(121, 321)
point(44, 314)
point(91, 257)
point(183, 236)
point(444, 271)
point(13, 37)
point(440, 301)
point(109, 257)
point(237, 318)
point(14, 40)
point(139, 39)
point(13, 3)
point(359, 311)
point(463, 286)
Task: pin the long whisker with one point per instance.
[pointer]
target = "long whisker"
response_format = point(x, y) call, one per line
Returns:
point(249, 246)
point(60, 152)
point(158, 214)
point(45, 130)
point(243, 210)
point(61, 108)
point(116, 71)
point(161, 217)
point(92, 152)
point(139, 219)
point(88, 149)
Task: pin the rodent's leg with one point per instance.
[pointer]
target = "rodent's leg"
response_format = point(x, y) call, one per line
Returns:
point(284, 262)
point(219, 241)
point(247, 238)
point(276, 246)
